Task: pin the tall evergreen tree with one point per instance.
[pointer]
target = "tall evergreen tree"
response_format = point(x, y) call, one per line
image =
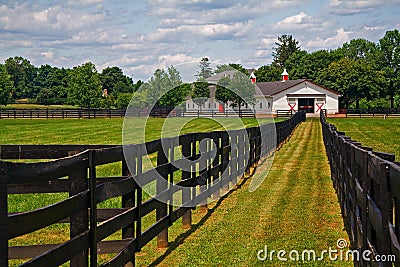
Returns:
point(285, 47)
point(205, 70)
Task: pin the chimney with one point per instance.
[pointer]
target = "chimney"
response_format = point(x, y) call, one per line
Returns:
point(285, 75)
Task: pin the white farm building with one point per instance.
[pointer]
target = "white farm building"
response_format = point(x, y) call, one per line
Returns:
point(284, 95)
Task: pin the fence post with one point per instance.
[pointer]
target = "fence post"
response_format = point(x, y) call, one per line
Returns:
point(128, 201)
point(162, 208)
point(203, 172)
point(216, 139)
point(225, 161)
point(93, 208)
point(234, 157)
point(79, 222)
point(3, 216)
point(187, 217)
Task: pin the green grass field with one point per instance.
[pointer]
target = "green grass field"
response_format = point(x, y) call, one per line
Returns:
point(108, 131)
point(382, 135)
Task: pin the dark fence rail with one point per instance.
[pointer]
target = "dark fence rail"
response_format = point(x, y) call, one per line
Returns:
point(284, 113)
point(18, 113)
point(367, 184)
point(60, 113)
point(394, 112)
point(77, 173)
point(246, 113)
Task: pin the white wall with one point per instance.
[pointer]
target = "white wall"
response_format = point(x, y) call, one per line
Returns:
point(331, 103)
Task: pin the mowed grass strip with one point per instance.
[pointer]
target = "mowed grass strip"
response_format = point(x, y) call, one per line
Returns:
point(378, 133)
point(294, 209)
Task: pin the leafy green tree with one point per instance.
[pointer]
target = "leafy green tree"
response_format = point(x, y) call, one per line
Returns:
point(243, 90)
point(303, 65)
point(22, 74)
point(85, 86)
point(355, 79)
point(6, 86)
point(390, 50)
point(360, 48)
point(231, 66)
point(123, 100)
point(223, 93)
point(176, 96)
point(205, 70)
point(200, 92)
point(113, 79)
point(284, 48)
point(158, 88)
point(268, 73)
point(137, 85)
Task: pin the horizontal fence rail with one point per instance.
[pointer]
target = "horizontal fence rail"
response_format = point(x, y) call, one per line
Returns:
point(368, 113)
point(159, 112)
point(246, 113)
point(75, 170)
point(367, 184)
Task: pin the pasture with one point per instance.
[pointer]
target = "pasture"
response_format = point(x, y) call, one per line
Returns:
point(108, 131)
point(380, 134)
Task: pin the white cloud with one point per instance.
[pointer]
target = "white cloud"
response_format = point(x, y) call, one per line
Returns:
point(351, 7)
point(83, 3)
point(49, 21)
point(47, 55)
point(339, 39)
point(301, 21)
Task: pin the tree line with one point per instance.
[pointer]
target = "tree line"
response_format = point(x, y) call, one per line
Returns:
point(81, 86)
point(364, 72)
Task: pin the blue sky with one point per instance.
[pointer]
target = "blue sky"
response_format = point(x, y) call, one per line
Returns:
point(141, 36)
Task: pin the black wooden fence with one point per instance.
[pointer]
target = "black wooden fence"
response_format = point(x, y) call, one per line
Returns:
point(376, 112)
point(77, 113)
point(75, 170)
point(367, 184)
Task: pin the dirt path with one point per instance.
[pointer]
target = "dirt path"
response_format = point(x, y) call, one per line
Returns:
point(294, 209)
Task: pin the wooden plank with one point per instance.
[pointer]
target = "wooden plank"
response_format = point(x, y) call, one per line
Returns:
point(186, 143)
point(394, 179)
point(45, 171)
point(54, 186)
point(79, 221)
point(62, 253)
point(109, 155)
point(109, 190)
point(161, 185)
point(43, 151)
point(110, 226)
point(30, 221)
point(124, 255)
point(375, 216)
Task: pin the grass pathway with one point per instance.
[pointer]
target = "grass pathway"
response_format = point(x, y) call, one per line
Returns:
point(294, 209)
